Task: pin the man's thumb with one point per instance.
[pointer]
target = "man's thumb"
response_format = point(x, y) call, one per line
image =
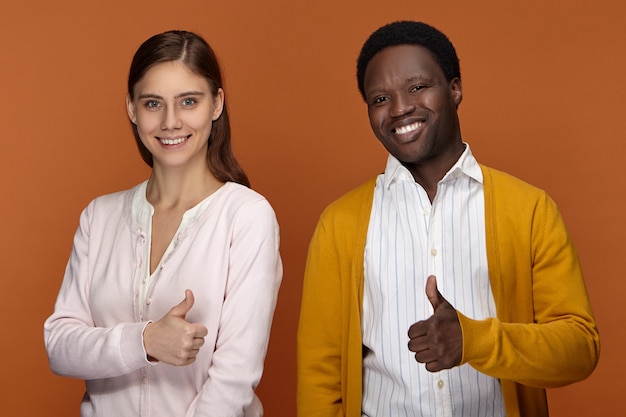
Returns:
point(184, 306)
point(433, 294)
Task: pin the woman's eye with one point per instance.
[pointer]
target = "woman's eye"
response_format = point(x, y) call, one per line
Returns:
point(189, 102)
point(152, 104)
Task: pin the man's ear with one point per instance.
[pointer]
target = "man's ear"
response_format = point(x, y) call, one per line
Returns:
point(130, 109)
point(456, 89)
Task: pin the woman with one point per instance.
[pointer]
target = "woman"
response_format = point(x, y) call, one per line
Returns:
point(194, 232)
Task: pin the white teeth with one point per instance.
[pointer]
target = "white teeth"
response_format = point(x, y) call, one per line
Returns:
point(406, 129)
point(172, 141)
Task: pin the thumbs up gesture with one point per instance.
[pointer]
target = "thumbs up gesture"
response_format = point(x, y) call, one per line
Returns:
point(438, 340)
point(173, 339)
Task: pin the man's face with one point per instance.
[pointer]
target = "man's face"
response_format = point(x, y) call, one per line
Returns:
point(412, 107)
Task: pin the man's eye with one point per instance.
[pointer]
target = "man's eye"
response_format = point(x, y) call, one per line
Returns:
point(417, 87)
point(379, 100)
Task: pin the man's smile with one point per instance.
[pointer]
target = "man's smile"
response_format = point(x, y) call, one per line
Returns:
point(407, 129)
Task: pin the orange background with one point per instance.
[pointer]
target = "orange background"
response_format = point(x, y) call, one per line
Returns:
point(543, 99)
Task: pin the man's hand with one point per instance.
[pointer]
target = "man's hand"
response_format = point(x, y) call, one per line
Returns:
point(173, 339)
point(437, 341)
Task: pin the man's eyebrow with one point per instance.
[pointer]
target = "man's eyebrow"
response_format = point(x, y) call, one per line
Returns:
point(380, 89)
point(417, 78)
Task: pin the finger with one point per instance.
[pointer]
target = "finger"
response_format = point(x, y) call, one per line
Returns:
point(434, 366)
point(433, 294)
point(417, 345)
point(201, 331)
point(417, 329)
point(425, 356)
point(184, 306)
point(430, 360)
point(197, 343)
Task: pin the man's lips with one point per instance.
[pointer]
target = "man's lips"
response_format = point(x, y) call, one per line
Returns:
point(402, 130)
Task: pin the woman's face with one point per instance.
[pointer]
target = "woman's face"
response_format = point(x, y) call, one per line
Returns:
point(174, 109)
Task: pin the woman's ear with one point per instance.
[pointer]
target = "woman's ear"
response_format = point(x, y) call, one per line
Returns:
point(218, 104)
point(130, 109)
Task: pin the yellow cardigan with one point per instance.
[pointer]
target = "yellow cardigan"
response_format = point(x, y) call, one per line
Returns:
point(544, 334)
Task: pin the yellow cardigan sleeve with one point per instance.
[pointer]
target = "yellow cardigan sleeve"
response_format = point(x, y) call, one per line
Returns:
point(319, 331)
point(329, 350)
point(545, 333)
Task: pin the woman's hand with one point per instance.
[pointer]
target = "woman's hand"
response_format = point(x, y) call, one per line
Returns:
point(173, 339)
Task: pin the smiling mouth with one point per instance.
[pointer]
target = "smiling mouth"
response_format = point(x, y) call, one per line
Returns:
point(173, 141)
point(407, 129)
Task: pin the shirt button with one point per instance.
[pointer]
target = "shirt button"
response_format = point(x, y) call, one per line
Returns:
point(148, 301)
point(144, 380)
point(440, 384)
point(433, 252)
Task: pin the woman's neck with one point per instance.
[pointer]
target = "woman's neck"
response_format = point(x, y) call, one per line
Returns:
point(180, 188)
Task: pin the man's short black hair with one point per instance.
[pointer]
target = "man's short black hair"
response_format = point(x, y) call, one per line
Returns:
point(409, 33)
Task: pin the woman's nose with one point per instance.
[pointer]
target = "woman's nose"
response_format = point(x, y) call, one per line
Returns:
point(171, 119)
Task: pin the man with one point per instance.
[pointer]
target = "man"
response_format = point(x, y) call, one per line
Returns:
point(441, 287)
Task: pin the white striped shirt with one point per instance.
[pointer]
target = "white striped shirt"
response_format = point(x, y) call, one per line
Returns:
point(409, 239)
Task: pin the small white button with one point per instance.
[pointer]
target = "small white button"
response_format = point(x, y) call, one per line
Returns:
point(433, 252)
point(440, 384)
point(148, 301)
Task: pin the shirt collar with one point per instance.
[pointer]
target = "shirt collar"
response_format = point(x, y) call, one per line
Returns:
point(142, 210)
point(465, 165)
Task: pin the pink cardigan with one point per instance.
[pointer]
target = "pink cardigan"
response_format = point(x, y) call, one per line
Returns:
point(229, 257)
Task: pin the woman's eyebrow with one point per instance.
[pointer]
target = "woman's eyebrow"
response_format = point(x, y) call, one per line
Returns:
point(183, 94)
